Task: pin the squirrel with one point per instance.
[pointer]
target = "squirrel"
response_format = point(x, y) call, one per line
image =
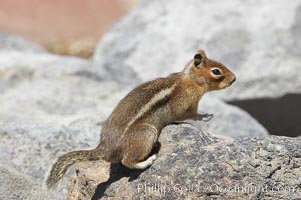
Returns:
point(132, 130)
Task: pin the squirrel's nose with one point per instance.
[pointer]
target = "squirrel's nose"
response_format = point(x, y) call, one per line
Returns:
point(233, 80)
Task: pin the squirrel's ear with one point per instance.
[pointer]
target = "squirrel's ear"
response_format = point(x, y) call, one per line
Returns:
point(199, 57)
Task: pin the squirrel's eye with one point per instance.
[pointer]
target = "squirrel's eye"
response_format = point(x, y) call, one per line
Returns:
point(216, 72)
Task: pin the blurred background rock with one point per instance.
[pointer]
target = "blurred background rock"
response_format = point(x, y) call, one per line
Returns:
point(62, 26)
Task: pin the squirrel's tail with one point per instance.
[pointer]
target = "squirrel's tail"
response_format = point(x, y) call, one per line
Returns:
point(63, 162)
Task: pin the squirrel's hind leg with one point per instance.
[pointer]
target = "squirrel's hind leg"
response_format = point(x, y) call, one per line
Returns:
point(144, 164)
point(142, 140)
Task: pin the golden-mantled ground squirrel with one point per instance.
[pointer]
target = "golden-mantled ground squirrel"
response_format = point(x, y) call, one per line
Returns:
point(131, 131)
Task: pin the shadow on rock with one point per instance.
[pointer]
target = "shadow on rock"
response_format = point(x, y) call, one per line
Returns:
point(119, 171)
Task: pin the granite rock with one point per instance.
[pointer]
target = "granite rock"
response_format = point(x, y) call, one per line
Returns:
point(258, 40)
point(17, 186)
point(31, 149)
point(10, 42)
point(45, 87)
point(193, 164)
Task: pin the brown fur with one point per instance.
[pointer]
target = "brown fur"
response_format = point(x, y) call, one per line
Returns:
point(133, 128)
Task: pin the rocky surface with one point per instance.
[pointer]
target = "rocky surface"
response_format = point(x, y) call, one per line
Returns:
point(193, 164)
point(10, 42)
point(42, 86)
point(16, 186)
point(32, 148)
point(258, 40)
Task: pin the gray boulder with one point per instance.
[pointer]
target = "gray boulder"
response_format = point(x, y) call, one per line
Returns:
point(16, 186)
point(45, 87)
point(31, 149)
point(193, 164)
point(10, 42)
point(258, 40)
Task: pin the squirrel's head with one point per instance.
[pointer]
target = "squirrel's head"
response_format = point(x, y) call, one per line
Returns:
point(209, 73)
